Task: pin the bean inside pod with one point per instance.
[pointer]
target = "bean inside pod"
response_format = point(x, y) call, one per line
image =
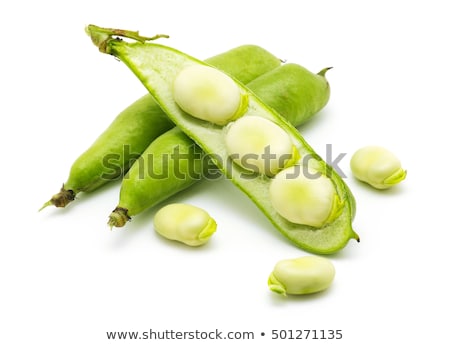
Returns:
point(259, 145)
point(208, 94)
point(305, 196)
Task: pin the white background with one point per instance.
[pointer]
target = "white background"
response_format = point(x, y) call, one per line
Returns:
point(67, 279)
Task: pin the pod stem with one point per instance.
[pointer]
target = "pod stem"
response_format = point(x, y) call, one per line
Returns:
point(324, 71)
point(61, 199)
point(118, 217)
point(100, 36)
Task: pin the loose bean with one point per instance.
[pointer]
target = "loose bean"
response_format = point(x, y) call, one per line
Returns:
point(377, 166)
point(304, 275)
point(184, 223)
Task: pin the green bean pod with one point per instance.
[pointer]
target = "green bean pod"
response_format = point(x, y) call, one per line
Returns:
point(156, 176)
point(149, 62)
point(131, 132)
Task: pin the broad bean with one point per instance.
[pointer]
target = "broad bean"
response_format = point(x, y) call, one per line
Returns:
point(184, 223)
point(377, 166)
point(304, 197)
point(251, 139)
point(208, 94)
point(299, 276)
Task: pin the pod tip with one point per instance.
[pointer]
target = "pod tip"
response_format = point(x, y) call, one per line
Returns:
point(118, 217)
point(61, 199)
point(48, 203)
point(324, 71)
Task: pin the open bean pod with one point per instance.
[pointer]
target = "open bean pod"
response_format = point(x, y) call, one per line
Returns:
point(158, 66)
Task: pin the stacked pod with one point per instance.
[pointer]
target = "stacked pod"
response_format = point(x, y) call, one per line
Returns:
point(135, 128)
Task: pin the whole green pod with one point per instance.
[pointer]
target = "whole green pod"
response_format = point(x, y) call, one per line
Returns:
point(113, 152)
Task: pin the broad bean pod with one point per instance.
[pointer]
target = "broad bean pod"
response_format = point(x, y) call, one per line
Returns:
point(148, 61)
